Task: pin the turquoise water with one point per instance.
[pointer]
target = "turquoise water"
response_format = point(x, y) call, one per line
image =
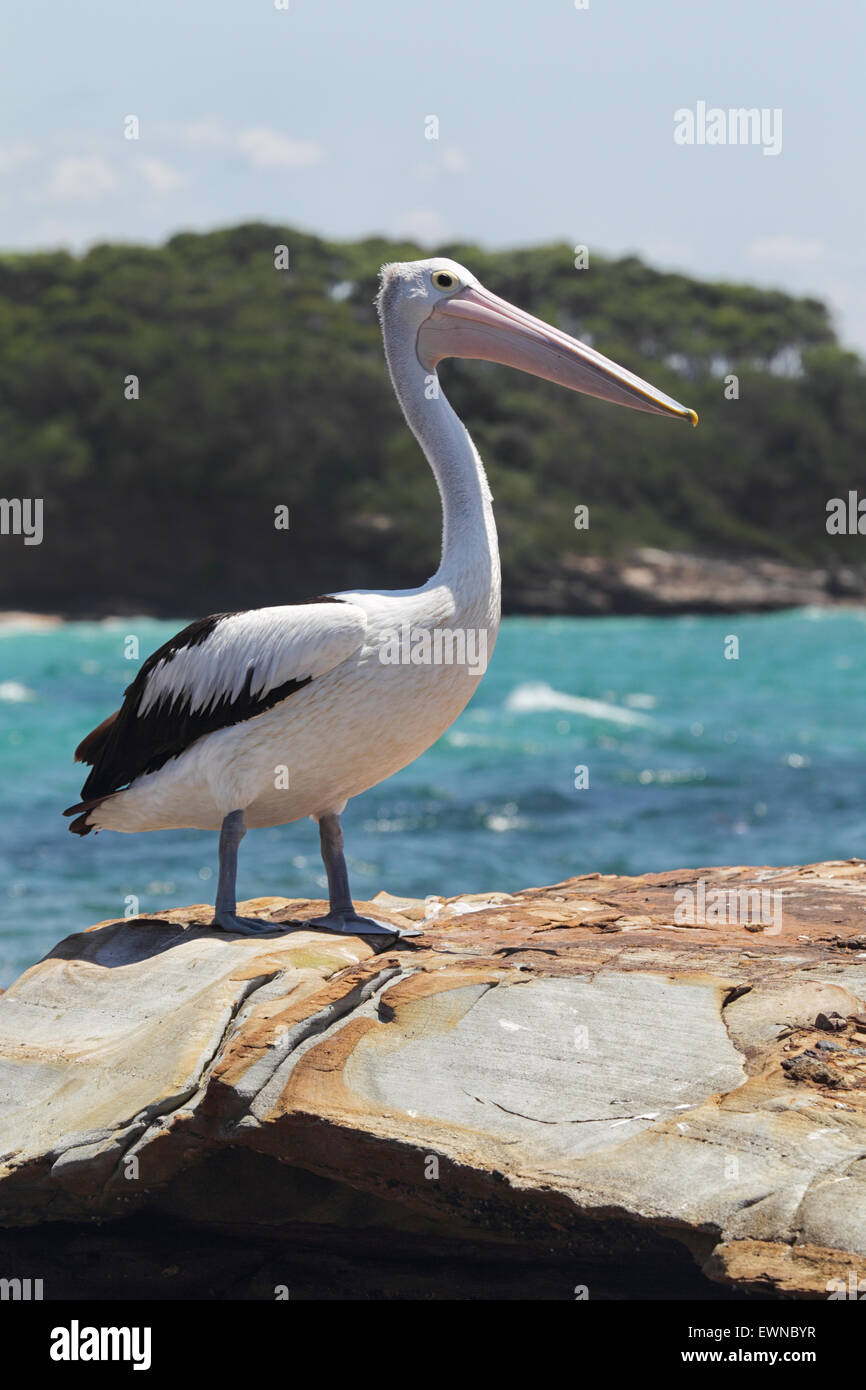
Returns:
point(692, 760)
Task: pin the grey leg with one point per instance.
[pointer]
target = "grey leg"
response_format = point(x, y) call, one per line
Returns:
point(225, 910)
point(342, 916)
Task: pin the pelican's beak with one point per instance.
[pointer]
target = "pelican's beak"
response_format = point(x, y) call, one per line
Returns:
point(475, 323)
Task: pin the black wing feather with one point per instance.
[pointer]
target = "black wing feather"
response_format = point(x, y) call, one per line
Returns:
point(130, 743)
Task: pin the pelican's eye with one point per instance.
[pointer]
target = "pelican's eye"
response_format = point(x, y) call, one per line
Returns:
point(444, 280)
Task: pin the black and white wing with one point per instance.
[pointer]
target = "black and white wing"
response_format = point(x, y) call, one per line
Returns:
point(217, 672)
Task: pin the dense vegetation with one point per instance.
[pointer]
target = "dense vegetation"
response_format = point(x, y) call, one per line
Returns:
point(262, 387)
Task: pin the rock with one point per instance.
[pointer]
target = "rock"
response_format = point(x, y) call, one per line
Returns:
point(666, 581)
point(808, 1067)
point(28, 622)
point(515, 1085)
point(831, 1023)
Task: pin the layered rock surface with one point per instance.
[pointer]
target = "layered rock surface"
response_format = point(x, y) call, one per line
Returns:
point(668, 581)
point(564, 1070)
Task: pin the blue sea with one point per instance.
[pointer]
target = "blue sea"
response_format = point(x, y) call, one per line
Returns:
point(690, 758)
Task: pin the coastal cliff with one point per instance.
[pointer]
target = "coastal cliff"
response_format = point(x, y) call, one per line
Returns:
point(669, 582)
point(611, 1084)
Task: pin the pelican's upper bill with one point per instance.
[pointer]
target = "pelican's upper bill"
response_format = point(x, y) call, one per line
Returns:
point(455, 316)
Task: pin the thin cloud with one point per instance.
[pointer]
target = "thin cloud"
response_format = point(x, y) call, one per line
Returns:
point(785, 250)
point(424, 225)
point(453, 159)
point(261, 146)
point(268, 149)
point(13, 156)
point(161, 177)
point(205, 134)
point(81, 179)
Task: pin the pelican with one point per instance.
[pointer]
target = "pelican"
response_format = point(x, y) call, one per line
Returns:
point(260, 718)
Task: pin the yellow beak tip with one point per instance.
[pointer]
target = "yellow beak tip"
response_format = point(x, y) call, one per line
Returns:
point(693, 416)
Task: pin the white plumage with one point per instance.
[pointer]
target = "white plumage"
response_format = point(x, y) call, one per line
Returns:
point(270, 645)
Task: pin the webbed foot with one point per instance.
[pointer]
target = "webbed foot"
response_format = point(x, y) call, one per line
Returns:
point(244, 926)
point(352, 924)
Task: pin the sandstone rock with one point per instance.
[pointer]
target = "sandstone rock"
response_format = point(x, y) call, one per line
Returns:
point(650, 580)
point(564, 1072)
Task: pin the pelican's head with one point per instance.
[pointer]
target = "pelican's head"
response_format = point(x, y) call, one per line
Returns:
point(450, 314)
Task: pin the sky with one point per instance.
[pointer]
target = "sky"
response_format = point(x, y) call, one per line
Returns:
point(555, 120)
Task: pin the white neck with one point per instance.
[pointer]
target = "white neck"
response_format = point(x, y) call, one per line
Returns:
point(470, 554)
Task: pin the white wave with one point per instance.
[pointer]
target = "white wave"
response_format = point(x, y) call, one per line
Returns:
point(535, 696)
point(11, 624)
point(15, 693)
point(641, 701)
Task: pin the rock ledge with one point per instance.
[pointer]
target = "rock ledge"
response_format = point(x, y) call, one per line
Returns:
point(567, 1070)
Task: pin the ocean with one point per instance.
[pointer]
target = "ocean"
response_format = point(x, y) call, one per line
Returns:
point(622, 745)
